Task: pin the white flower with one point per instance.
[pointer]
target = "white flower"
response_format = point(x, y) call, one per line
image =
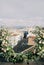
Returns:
point(3, 42)
point(7, 38)
point(40, 41)
point(4, 49)
point(43, 50)
point(40, 31)
point(43, 35)
point(34, 50)
point(39, 47)
point(3, 33)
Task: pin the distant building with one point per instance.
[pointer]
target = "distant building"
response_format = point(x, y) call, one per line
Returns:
point(15, 38)
point(31, 38)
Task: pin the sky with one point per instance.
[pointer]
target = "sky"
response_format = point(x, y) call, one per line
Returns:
point(22, 12)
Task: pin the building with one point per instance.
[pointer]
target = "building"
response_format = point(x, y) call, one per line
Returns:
point(15, 37)
point(31, 38)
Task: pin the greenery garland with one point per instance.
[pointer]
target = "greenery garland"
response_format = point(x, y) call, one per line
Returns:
point(8, 54)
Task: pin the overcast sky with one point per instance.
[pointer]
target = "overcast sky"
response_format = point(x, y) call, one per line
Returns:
point(30, 12)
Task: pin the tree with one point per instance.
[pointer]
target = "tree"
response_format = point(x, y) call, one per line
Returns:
point(39, 40)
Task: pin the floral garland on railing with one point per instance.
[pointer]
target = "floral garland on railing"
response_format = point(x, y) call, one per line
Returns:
point(8, 54)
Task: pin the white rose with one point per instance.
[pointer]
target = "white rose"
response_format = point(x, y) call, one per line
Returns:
point(4, 49)
point(7, 38)
point(43, 35)
point(3, 42)
point(2, 34)
point(40, 41)
point(39, 47)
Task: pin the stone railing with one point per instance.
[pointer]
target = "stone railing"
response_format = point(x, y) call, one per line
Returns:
point(29, 49)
